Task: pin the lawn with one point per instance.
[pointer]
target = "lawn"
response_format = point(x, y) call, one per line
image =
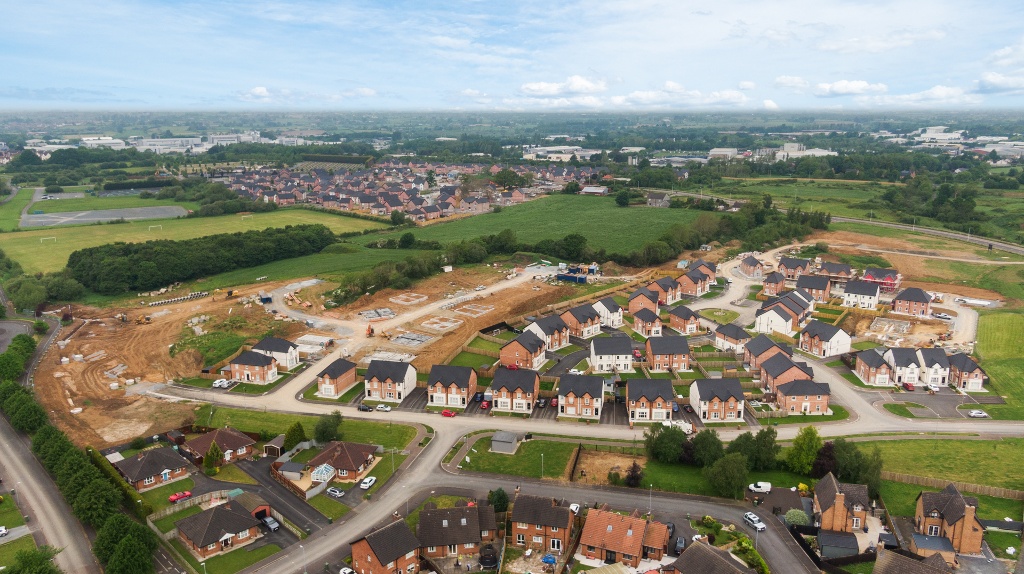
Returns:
point(10, 212)
point(198, 382)
point(672, 477)
point(330, 507)
point(479, 343)
point(860, 568)
point(231, 473)
point(388, 434)
point(568, 350)
point(10, 515)
point(990, 462)
point(310, 394)
point(92, 203)
point(157, 497)
point(865, 345)
point(525, 462)
point(24, 247)
point(467, 359)
point(1000, 541)
point(305, 455)
point(605, 225)
point(999, 336)
point(257, 389)
point(853, 378)
point(838, 414)
point(231, 562)
point(901, 410)
point(901, 500)
point(166, 523)
point(389, 463)
point(9, 550)
point(720, 316)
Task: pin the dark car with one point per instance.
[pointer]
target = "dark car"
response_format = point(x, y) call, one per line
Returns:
point(541, 403)
point(675, 407)
point(365, 408)
point(671, 529)
point(680, 544)
point(479, 396)
point(688, 408)
point(620, 399)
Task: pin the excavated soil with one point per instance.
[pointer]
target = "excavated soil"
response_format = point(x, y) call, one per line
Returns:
point(597, 465)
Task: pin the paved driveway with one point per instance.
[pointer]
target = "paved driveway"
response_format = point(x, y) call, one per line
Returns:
point(943, 404)
point(614, 414)
point(280, 498)
point(416, 400)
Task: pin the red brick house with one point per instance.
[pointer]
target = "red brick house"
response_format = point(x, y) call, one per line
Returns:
point(803, 396)
point(872, 368)
point(667, 289)
point(751, 267)
point(218, 529)
point(450, 386)
point(514, 390)
point(539, 523)
point(348, 459)
point(649, 400)
point(584, 321)
point(838, 273)
point(612, 537)
point(525, 351)
point(393, 549)
point(152, 468)
point(695, 282)
point(780, 369)
point(773, 284)
point(455, 531)
point(552, 329)
point(580, 397)
point(647, 323)
point(912, 301)
point(253, 367)
point(964, 373)
point(717, 400)
point(684, 320)
point(709, 269)
point(337, 378)
point(792, 268)
point(840, 507)
point(642, 298)
point(234, 445)
point(949, 515)
point(760, 349)
point(818, 286)
point(668, 354)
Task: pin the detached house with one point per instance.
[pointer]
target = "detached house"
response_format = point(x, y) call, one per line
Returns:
point(455, 531)
point(888, 280)
point(824, 340)
point(760, 349)
point(785, 313)
point(793, 268)
point(610, 312)
point(580, 397)
point(860, 295)
point(647, 323)
point(649, 400)
point(709, 269)
point(389, 381)
point(773, 284)
point(751, 267)
point(286, 352)
point(337, 378)
point(706, 559)
point(152, 468)
point(346, 461)
point(515, 390)
point(780, 369)
point(525, 351)
point(552, 330)
point(731, 337)
point(912, 301)
point(873, 369)
point(965, 374)
point(539, 523)
point(839, 506)
point(668, 354)
point(611, 355)
point(584, 321)
point(218, 529)
point(947, 524)
point(253, 367)
point(612, 537)
point(643, 298)
point(804, 397)
point(233, 445)
point(392, 549)
point(684, 320)
point(667, 289)
point(450, 386)
point(717, 400)
point(817, 286)
point(695, 282)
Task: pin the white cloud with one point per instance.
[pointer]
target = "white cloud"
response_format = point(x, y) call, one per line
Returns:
point(849, 88)
point(259, 92)
point(746, 85)
point(572, 85)
point(792, 82)
point(359, 93)
point(265, 95)
point(674, 94)
point(882, 43)
point(569, 102)
point(471, 93)
point(1008, 56)
point(991, 82)
point(934, 96)
point(770, 105)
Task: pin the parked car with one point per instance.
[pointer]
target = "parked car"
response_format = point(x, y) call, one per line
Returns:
point(908, 386)
point(365, 408)
point(221, 384)
point(675, 407)
point(484, 405)
point(479, 288)
point(636, 354)
point(367, 482)
point(384, 408)
point(976, 414)
point(933, 387)
point(541, 403)
point(688, 408)
point(179, 496)
point(512, 367)
point(3, 531)
point(763, 487)
point(680, 545)
point(479, 396)
point(335, 492)
point(450, 413)
point(346, 570)
point(671, 529)
point(943, 316)
point(754, 522)
point(554, 401)
point(271, 524)
point(575, 372)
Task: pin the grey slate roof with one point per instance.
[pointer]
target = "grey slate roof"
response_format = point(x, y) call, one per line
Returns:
point(889, 562)
point(733, 331)
point(580, 385)
point(701, 262)
point(828, 487)
point(227, 439)
point(646, 315)
point(274, 345)
point(540, 510)
point(794, 263)
point(666, 283)
point(210, 525)
point(722, 389)
point(823, 331)
point(774, 277)
point(671, 345)
point(150, 463)
point(706, 559)
point(252, 359)
point(751, 261)
point(834, 539)
point(762, 343)
point(610, 304)
point(612, 346)
point(459, 525)
point(584, 313)
point(872, 358)
point(392, 542)
point(963, 362)
point(803, 387)
point(649, 389)
point(683, 312)
point(522, 379)
point(818, 282)
point(779, 363)
point(551, 325)
point(940, 543)
point(644, 292)
point(384, 370)
point(857, 287)
point(337, 368)
point(931, 356)
point(902, 357)
point(913, 294)
point(448, 374)
point(949, 502)
point(835, 268)
point(531, 342)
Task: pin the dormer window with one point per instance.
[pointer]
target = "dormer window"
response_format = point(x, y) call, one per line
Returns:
point(934, 514)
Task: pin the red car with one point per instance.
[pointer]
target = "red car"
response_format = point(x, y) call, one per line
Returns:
point(554, 401)
point(178, 496)
point(448, 413)
point(636, 353)
point(512, 367)
point(485, 405)
point(908, 386)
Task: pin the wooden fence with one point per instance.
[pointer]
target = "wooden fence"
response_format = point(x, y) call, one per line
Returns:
point(962, 486)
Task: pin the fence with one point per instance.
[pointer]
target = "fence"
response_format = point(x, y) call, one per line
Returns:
point(213, 371)
point(962, 486)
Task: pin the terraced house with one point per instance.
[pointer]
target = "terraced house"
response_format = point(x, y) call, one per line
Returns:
point(792, 268)
point(515, 390)
point(450, 385)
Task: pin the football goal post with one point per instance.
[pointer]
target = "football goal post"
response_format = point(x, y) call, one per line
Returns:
point(244, 217)
point(152, 227)
point(45, 239)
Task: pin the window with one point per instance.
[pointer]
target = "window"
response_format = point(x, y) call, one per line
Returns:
point(431, 548)
point(538, 540)
point(391, 565)
point(934, 514)
point(817, 408)
point(933, 530)
point(485, 533)
point(243, 535)
point(856, 522)
point(554, 529)
point(520, 539)
point(149, 480)
point(714, 415)
point(538, 526)
point(343, 472)
point(556, 544)
point(468, 545)
point(819, 397)
point(212, 546)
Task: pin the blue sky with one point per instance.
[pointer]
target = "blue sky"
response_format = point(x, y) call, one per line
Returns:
point(516, 55)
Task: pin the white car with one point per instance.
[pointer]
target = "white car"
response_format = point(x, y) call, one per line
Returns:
point(933, 387)
point(976, 414)
point(384, 408)
point(335, 492)
point(763, 487)
point(575, 372)
point(944, 316)
point(754, 522)
point(3, 531)
point(367, 482)
point(346, 570)
point(221, 384)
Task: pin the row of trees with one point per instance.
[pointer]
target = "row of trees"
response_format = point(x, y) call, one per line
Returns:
point(213, 198)
point(119, 267)
point(31, 291)
point(16, 359)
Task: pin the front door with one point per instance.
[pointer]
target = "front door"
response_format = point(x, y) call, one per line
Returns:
point(453, 548)
point(610, 557)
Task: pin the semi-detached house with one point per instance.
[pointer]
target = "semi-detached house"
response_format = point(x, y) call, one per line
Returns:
point(610, 312)
point(584, 321)
point(389, 381)
point(540, 523)
point(649, 400)
point(514, 390)
point(450, 385)
point(552, 330)
point(611, 355)
point(717, 400)
point(580, 397)
point(668, 354)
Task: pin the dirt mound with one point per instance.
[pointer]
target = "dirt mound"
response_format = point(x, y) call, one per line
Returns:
point(594, 466)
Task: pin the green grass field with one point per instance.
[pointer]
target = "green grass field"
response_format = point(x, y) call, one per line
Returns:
point(166, 523)
point(231, 473)
point(605, 225)
point(525, 462)
point(10, 210)
point(989, 462)
point(10, 515)
point(92, 203)
point(900, 409)
point(720, 316)
point(157, 497)
point(999, 336)
point(229, 563)
point(25, 248)
point(901, 500)
point(8, 550)
point(329, 507)
point(467, 359)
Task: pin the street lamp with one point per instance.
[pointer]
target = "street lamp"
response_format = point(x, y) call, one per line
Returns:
point(304, 571)
point(204, 567)
point(650, 500)
point(542, 465)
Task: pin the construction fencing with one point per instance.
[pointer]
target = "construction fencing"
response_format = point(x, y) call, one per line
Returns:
point(962, 486)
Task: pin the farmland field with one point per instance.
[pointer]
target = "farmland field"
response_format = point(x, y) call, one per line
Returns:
point(25, 248)
point(990, 462)
point(115, 202)
point(605, 225)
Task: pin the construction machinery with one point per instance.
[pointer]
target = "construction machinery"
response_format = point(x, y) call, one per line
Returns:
point(123, 317)
point(369, 331)
point(143, 320)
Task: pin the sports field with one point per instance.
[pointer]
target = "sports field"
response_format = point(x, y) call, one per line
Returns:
point(37, 253)
point(89, 203)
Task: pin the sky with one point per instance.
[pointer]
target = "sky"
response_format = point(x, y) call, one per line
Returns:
point(520, 55)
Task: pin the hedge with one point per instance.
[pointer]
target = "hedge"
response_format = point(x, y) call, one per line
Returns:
point(130, 496)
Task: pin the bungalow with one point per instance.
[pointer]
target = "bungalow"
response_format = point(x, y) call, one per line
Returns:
point(584, 321)
point(751, 267)
point(912, 301)
point(525, 351)
point(817, 286)
point(889, 280)
point(647, 323)
point(839, 506)
point(444, 532)
point(514, 390)
point(337, 378)
point(873, 369)
point(824, 340)
point(934, 366)
point(219, 529)
point(838, 273)
point(965, 374)
point(286, 352)
point(803, 396)
point(552, 330)
point(649, 400)
point(610, 312)
point(233, 445)
point(717, 400)
point(667, 289)
point(950, 516)
point(389, 381)
point(611, 355)
point(760, 349)
point(152, 468)
point(731, 337)
point(668, 354)
point(253, 367)
point(450, 385)
point(773, 284)
point(684, 320)
point(612, 537)
point(580, 396)
point(695, 282)
point(539, 523)
point(860, 294)
point(348, 460)
point(388, 550)
point(792, 268)
point(643, 298)
point(780, 369)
